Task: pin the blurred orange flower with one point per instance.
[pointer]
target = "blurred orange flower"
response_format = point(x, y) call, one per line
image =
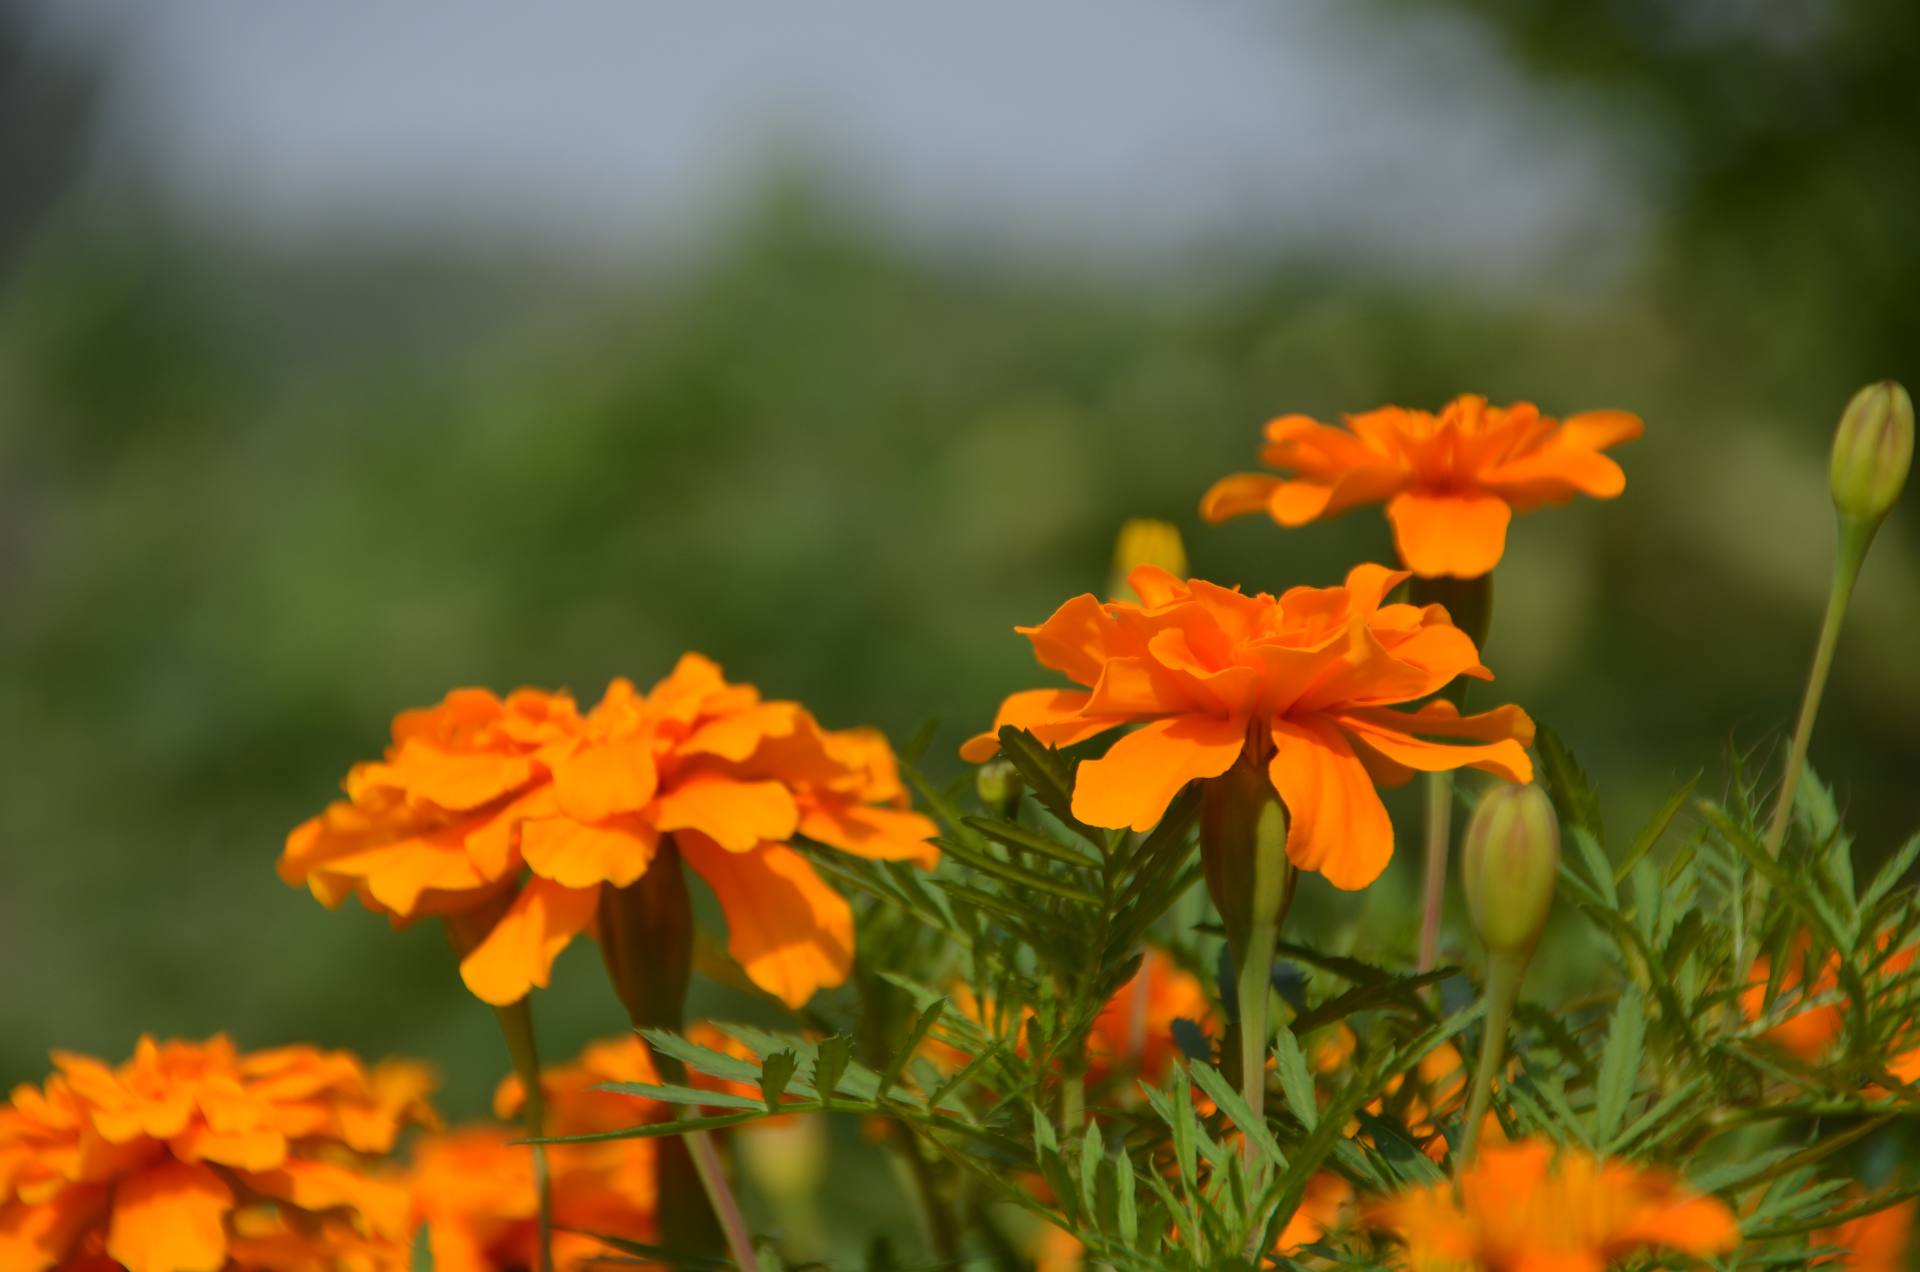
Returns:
point(1809, 1031)
point(1451, 482)
point(1517, 1209)
point(515, 812)
point(474, 1187)
point(148, 1164)
point(1879, 1242)
point(1133, 1034)
point(1301, 683)
point(1322, 1210)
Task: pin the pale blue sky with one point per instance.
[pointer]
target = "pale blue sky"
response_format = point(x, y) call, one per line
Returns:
point(1146, 130)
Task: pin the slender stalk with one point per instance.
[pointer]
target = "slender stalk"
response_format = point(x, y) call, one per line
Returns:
point(1502, 991)
point(516, 1023)
point(1854, 538)
point(1434, 889)
point(1253, 991)
point(713, 1177)
point(1073, 1101)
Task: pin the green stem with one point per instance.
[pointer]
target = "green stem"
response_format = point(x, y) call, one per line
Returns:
point(1271, 876)
point(1504, 973)
point(713, 1177)
point(1434, 891)
point(1854, 537)
point(516, 1025)
point(1073, 1100)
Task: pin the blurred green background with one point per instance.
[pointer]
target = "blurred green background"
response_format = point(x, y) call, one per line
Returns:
point(260, 488)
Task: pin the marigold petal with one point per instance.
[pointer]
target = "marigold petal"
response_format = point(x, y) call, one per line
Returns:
point(1054, 716)
point(518, 954)
point(170, 1217)
point(1395, 734)
point(457, 780)
point(602, 780)
point(38, 1235)
point(579, 855)
point(734, 813)
point(791, 932)
point(1078, 639)
point(1132, 784)
point(879, 834)
point(1336, 824)
point(1236, 496)
point(1462, 536)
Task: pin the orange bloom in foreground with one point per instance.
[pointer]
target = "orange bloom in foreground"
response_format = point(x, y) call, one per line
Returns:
point(1879, 1242)
point(514, 813)
point(1451, 482)
point(1301, 683)
point(187, 1153)
point(474, 1188)
point(1517, 1209)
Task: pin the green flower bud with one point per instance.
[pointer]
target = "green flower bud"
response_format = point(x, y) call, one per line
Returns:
point(998, 785)
point(1243, 851)
point(1509, 864)
point(1872, 451)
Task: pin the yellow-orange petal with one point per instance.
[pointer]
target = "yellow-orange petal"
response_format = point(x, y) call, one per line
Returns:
point(733, 813)
point(1132, 784)
point(518, 954)
point(791, 932)
point(602, 780)
point(38, 1235)
point(880, 834)
point(1396, 735)
point(170, 1217)
point(1457, 535)
point(579, 855)
point(1077, 639)
point(1336, 824)
point(1237, 495)
point(1053, 716)
point(457, 781)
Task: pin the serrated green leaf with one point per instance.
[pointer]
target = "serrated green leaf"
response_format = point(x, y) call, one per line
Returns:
point(1889, 875)
point(1619, 1067)
point(1574, 797)
point(715, 1064)
point(902, 1054)
point(1651, 833)
point(1296, 1082)
point(421, 1257)
point(1048, 776)
point(775, 1072)
point(1234, 1105)
point(1126, 1205)
point(1402, 990)
point(1093, 1151)
point(1014, 835)
point(674, 1093)
point(1184, 1125)
point(829, 1063)
point(1043, 1137)
point(1599, 871)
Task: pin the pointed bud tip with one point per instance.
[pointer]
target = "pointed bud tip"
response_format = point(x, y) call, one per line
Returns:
point(1509, 863)
point(998, 785)
point(1144, 541)
point(1872, 452)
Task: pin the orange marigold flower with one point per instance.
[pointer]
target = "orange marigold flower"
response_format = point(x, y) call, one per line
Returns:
point(524, 803)
point(1815, 1014)
point(1879, 1242)
point(1322, 1209)
point(1517, 1209)
point(147, 1164)
point(1133, 1033)
point(1301, 683)
point(1451, 482)
point(474, 1187)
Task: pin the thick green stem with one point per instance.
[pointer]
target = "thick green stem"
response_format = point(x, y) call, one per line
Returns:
point(1434, 889)
point(646, 942)
point(1854, 538)
point(1504, 973)
point(1253, 991)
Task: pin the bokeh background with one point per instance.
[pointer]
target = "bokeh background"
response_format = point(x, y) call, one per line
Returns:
point(351, 352)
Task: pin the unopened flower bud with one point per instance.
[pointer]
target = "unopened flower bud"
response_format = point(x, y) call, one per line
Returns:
point(1243, 851)
point(1510, 863)
point(1144, 541)
point(998, 785)
point(1872, 451)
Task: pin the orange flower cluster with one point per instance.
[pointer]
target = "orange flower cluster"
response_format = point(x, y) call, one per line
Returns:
point(1517, 1209)
point(514, 813)
point(1877, 1242)
point(1302, 683)
point(191, 1154)
point(474, 1190)
point(1133, 1034)
point(1451, 482)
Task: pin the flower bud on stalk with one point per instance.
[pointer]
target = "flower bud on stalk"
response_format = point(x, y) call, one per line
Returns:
point(1872, 453)
point(1243, 852)
point(998, 785)
point(1509, 864)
